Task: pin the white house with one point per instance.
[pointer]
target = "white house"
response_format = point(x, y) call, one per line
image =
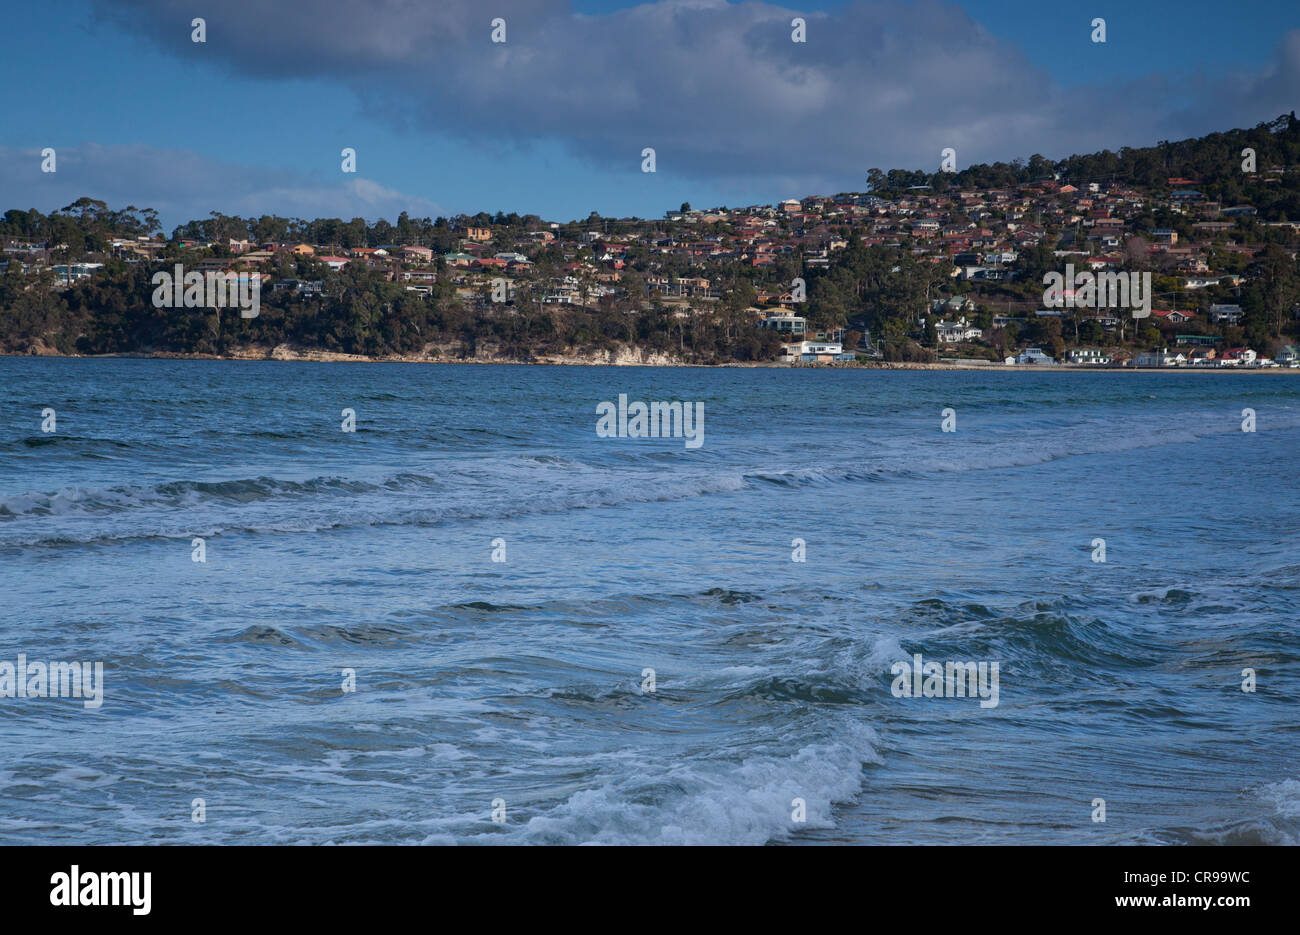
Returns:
point(1237, 356)
point(784, 320)
point(822, 351)
point(952, 332)
point(1088, 356)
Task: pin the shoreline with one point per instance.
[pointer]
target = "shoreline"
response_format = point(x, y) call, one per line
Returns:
point(624, 358)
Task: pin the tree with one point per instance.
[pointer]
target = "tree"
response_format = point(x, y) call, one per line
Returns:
point(931, 338)
point(1279, 283)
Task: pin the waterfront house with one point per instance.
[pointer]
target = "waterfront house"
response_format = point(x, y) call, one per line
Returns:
point(1034, 356)
point(822, 352)
point(1160, 358)
point(1088, 356)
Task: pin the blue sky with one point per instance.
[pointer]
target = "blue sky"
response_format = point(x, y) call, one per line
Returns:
point(553, 122)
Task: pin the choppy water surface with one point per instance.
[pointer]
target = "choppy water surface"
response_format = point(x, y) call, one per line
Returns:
point(522, 680)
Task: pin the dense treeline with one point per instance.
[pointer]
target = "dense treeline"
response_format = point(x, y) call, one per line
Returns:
point(85, 226)
point(359, 312)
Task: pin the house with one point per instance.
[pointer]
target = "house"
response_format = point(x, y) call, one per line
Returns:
point(334, 262)
point(1087, 357)
point(69, 273)
point(1108, 320)
point(25, 247)
point(1102, 262)
point(1237, 356)
point(785, 321)
point(417, 254)
point(1034, 355)
point(252, 258)
point(1160, 358)
point(822, 352)
point(1289, 356)
point(1197, 340)
point(956, 304)
point(1172, 316)
point(299, 286)
point(1226, 314)
point(479, 234)
point(953, 332)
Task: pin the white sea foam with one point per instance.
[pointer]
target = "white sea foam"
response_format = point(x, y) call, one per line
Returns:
point(749, 801)
point(1284, 797)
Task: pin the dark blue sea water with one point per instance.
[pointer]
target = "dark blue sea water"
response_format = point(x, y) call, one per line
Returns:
point(522, 681)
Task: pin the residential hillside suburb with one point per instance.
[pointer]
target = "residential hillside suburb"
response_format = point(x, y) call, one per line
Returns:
point(1193, 246)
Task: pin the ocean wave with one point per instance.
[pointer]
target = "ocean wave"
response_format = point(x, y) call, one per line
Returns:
point(70, 501)
point(959, 452)
point(712, 800)
point(265, 505)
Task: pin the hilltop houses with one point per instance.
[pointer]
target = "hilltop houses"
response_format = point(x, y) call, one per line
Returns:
point(968, 251)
